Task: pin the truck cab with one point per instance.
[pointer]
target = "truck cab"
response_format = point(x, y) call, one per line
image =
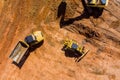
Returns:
point(34, 38)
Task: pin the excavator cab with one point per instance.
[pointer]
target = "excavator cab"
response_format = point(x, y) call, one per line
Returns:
point(96, 3)
point(95, 7)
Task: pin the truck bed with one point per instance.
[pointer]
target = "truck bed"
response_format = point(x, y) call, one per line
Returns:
point(19, 51)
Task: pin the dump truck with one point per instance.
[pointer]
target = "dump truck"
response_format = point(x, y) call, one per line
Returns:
point(22, 46)
point(97, 3)
point(74, 46)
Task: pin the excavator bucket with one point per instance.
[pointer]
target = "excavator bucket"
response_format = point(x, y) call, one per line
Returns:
point(83, 54)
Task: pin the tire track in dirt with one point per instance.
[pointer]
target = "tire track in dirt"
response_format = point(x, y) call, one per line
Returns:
point(113, 9)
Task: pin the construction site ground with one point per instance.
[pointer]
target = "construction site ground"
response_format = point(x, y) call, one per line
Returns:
point(101, 36)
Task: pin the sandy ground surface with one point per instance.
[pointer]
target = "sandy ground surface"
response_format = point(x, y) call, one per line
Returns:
point(19, 18)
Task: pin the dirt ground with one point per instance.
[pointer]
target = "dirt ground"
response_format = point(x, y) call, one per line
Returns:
point(100, 34)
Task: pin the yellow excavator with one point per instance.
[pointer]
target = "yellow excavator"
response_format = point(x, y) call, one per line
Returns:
point(94, 7)
point(22, 46)
point(97, 3)
point(74, 46)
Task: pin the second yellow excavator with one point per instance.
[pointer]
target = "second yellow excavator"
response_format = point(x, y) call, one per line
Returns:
point(75, 47)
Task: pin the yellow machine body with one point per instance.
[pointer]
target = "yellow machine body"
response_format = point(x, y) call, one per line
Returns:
point(97, 3)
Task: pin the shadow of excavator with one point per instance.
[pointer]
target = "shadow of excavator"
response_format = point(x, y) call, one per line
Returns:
point(61, 12)
point(87, 12)
point(24, 58)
